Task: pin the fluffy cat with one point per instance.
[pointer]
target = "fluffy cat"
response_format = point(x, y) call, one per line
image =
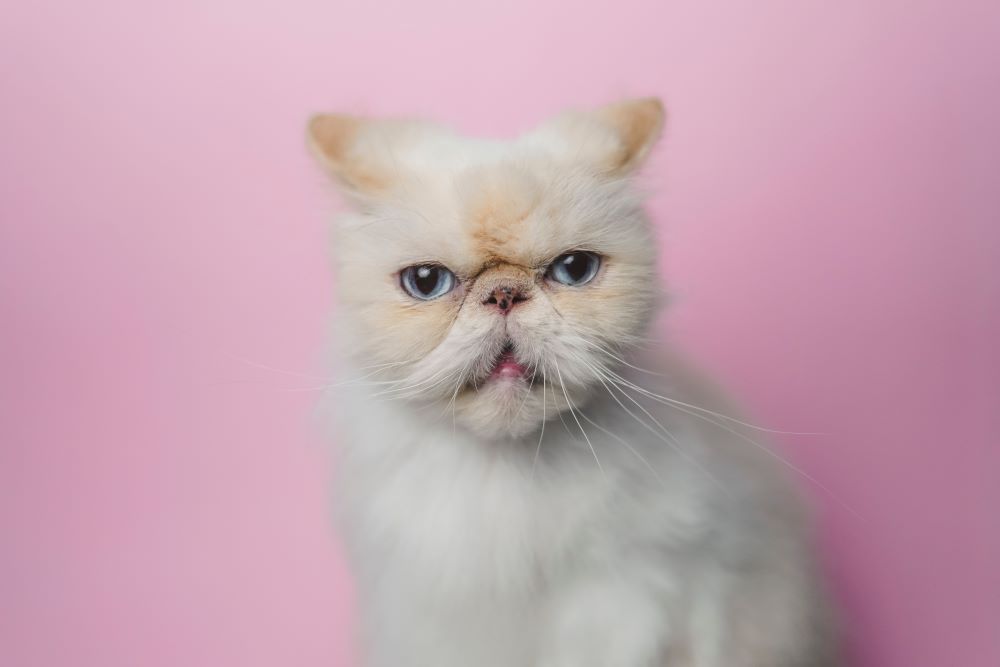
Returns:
point(519, 484)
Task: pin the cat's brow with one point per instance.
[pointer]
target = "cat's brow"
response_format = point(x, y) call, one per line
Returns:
point(496, 261)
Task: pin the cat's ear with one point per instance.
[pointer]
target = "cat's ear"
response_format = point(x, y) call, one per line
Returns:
point(362, 154)
point(638, 125)
point(333, 139)
point(615, 139)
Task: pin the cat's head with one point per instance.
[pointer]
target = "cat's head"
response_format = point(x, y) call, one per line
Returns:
point(493, 279)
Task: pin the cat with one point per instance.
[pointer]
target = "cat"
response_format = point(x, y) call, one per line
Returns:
point(520, 481)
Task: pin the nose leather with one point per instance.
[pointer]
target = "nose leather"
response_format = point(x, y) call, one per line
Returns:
point(505, 297)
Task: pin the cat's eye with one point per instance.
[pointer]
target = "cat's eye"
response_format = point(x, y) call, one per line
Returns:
point(426, 281)
point(574, 268)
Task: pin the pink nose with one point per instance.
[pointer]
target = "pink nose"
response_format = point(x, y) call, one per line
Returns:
point(505, 298)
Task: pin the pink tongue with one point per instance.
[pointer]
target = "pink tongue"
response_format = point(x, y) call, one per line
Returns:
point(508, 367)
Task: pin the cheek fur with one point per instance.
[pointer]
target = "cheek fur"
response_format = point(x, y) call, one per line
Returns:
point(618, 305)
point(398, 331)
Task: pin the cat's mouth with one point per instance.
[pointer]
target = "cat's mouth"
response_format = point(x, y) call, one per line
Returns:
point(506, 366)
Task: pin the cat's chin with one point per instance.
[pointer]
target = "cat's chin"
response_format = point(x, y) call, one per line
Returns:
point(508, 404)
point(513, 407)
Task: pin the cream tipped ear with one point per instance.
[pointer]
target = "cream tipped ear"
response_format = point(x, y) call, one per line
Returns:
point(335, 140)
point(637, 125)
point(331, 135)
point(614, 139)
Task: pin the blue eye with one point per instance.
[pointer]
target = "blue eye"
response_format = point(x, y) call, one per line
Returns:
point(426, 281)
point(575, 268)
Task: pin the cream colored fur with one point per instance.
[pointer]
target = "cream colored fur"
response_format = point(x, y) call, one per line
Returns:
point(577, 519)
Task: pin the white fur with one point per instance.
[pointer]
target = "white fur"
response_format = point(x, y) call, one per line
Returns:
point(488, 523)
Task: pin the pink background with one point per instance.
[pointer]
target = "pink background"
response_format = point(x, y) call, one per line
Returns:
point(828, 196)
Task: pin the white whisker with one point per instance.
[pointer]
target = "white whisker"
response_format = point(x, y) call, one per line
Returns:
point(688, 405)
point(628, 446)
point(666, 435)
point(274, 369)
point(433, 380)
point(692, 410)
point(572, 412)
point(527, 395)
point(538, 449)
point(673, 401)
point(775, 456)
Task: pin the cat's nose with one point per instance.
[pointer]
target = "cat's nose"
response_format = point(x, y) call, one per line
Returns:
point(505, 297)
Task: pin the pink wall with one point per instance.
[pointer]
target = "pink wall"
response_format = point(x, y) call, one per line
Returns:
point(828, 195)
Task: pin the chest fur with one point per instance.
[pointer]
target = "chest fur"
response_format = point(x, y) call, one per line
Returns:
point(463, 518)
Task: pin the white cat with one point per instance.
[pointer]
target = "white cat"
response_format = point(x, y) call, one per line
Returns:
point(514, 490)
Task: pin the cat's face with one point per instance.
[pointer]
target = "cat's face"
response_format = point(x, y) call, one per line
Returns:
point(492, 279)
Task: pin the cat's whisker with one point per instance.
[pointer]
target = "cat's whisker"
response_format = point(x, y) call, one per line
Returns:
point(386, 364)
point(322, 387)
point(756, 444)
point(541, 434)
point(665, 435)
point(559, 413)
point(273, 369)
point(666, 400)
point(432, 379)
point(572, 412)
point(604, 350)
point(414, 391)
point(452, 404)
point(627, 446)
point(283, 371)
point(788, 464)
point(358, 381)
point(527, 395)
point(662, 398)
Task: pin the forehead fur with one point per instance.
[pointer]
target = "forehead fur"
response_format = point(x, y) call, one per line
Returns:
point(423, 193)
point(517, 211)
point(495, 203)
